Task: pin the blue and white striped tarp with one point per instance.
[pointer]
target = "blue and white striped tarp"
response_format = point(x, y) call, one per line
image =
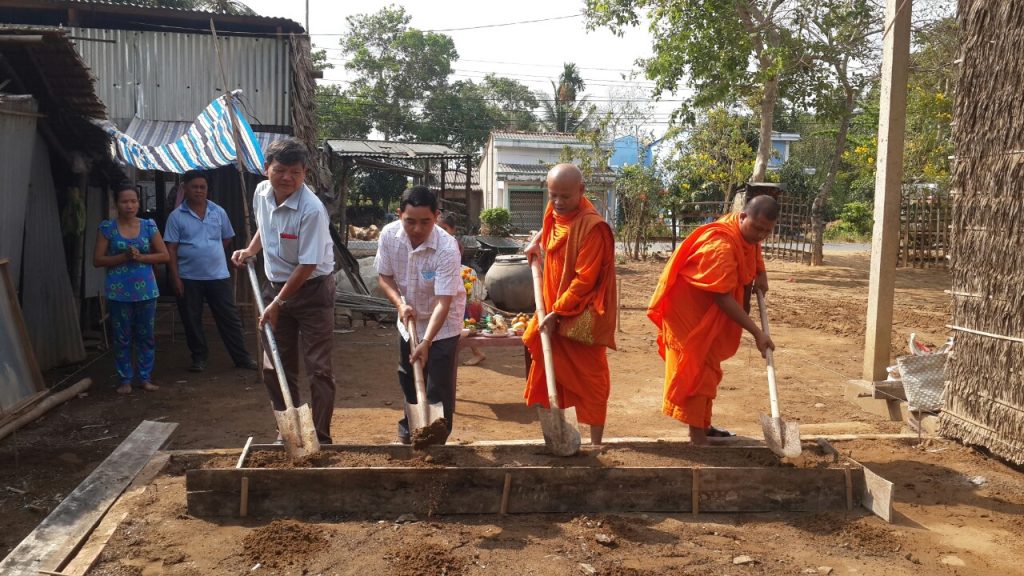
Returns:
point(205, 145)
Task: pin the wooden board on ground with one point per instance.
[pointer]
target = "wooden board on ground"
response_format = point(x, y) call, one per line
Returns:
point(90, 551)
point(877, 495)
point(60, 534)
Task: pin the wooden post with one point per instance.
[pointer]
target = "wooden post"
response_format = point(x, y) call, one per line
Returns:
point(695, 491)
point(236, 139)
point(888, 182)
point(505, 492)
point(243, 501)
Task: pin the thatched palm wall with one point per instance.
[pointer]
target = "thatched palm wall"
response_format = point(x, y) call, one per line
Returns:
point(985, 397)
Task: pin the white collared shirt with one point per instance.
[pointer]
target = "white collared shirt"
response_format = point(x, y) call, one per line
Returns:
point(294, 233)
point(434, 268)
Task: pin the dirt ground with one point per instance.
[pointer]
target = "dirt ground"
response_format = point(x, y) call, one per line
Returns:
point(958, 511)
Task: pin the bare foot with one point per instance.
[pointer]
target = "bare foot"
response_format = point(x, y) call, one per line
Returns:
point(149, 386)
point(476, 359)
point(124, 389)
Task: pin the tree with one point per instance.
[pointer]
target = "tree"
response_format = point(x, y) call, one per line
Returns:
point(461, 116)
point(837, 34)
point(729, 50)
point(641, 198)
point(565, 111)
point(398, 68)
point(515, 99)
point(715, 159)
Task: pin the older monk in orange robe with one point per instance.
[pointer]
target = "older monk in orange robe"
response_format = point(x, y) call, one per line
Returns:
point(579, 278)
point(701, 307)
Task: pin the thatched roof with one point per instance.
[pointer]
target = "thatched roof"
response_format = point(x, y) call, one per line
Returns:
point(985, 396)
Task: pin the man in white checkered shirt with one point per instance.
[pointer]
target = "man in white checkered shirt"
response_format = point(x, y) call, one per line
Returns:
point(419, 269)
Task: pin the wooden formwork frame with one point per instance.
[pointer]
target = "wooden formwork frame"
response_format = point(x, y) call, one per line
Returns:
point(440, 490)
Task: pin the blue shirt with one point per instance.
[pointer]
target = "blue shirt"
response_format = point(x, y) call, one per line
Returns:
point(200, 241)
point(132, 281)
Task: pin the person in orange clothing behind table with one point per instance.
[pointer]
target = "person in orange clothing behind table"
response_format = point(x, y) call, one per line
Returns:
point(701, 307)
point(578, 251)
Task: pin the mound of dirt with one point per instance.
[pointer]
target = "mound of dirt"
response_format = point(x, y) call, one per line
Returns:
point(427, 560)
point(284, 543)
point(435, 433)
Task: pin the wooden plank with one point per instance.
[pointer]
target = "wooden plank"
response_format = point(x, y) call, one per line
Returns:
point(877, 495)
point(890, 390)
point(93, 547)
point(60, 534)
point(389, 492)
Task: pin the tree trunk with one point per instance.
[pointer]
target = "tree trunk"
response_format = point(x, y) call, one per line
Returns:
point(821, 199)
point(764, 145)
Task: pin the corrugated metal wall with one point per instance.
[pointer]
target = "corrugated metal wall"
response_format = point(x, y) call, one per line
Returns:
point(173, 76)
point(17, 131)
point(47, 302)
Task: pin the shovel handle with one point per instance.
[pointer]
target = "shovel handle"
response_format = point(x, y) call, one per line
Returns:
point(417, 372)
point(773, 392)
point(275, 356)
point(545, 338)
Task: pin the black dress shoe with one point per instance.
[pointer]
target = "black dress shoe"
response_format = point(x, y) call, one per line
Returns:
point(197, 366)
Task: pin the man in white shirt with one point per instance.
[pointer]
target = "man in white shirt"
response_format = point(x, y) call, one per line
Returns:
point(293, 233)
point(420, 262)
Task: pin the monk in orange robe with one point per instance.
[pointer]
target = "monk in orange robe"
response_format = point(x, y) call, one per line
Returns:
point(579, 277)
point(701, 306)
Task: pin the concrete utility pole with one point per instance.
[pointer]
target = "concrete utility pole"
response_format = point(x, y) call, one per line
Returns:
point(888, 186)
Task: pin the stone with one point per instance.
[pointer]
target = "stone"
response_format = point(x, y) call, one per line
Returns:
point(606, 539)
point(406, 519)
point(819, 405)
point(952, 560)
point(825, 570)
point(588, 569)
point(742, 560)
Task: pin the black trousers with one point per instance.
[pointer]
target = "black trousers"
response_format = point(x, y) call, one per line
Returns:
point(438, 376)
point(218, 294)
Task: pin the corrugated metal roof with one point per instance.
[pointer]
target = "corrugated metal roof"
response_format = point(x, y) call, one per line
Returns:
point(156, 132)
point(454, 180)
point(523, 169)
point(172, 76)
point(386, 149)
point(554, 137)
point(47, 300)
point(18, 130)
point(142, 14)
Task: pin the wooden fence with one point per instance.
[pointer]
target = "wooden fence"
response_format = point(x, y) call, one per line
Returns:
point(924, 228)
point(791, 238)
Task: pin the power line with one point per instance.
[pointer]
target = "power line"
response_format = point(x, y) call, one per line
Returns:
point(482, 26)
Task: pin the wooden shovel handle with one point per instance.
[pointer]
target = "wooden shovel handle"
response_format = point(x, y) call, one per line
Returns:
point(417, 370)
point(773, 393)
point(545, 338)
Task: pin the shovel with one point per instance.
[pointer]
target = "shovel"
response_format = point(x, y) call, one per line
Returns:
point(294, 424)
point(560, 427)
point(426, 420)
point(783, 438)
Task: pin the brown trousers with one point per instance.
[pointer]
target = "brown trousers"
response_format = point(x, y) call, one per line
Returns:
point(309, 314)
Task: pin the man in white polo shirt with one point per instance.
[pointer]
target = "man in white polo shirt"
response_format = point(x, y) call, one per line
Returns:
point(292, 231)
point(421, 262)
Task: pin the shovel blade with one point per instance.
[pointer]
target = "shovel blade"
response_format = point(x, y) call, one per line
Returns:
point(297, 431)
point(782, 438)
point(420, 419)
point(561, 430)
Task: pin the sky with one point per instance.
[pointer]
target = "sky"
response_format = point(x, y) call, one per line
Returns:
point(532, 53)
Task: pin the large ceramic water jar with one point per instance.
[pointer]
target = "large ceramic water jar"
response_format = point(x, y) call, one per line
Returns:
point(509, 283)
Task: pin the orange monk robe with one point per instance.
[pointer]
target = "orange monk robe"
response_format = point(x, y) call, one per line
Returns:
point(694, 334)
point(579, 271)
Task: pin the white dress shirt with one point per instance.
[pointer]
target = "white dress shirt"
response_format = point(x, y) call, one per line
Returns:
point(432, 269)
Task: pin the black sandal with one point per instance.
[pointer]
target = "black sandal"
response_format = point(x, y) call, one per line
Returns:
point(713, 432)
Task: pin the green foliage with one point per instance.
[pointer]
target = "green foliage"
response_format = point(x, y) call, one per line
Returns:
point(799, 184)
point(641, 199)
point(340, 114)
point(378, 188)
point(497, 220)
point(854, 224)
point(515, 100)
point(715, 159)
point(460, 116)
point(397, 68)
point(563, 111)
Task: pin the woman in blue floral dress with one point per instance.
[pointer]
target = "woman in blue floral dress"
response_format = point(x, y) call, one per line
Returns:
point(128, 247)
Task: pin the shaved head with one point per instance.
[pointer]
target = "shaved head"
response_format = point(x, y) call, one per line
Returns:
point(763, 206)
point(565, 187)
point(757, 220)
